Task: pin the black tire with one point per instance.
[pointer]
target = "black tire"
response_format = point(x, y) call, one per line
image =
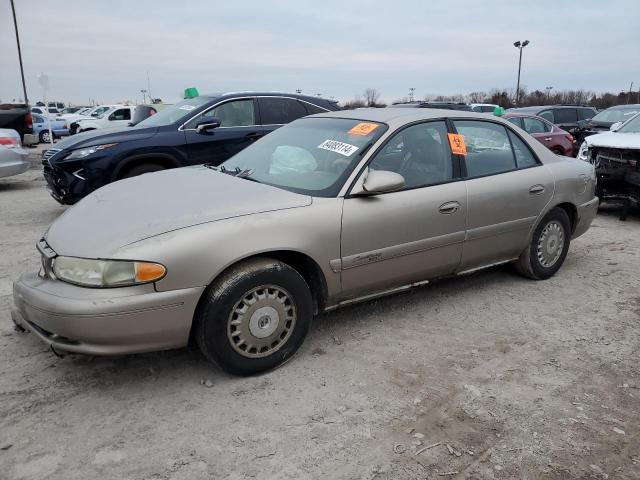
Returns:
point(44, 136)
point(141, 169)
point(214, 329)
point(530, 264)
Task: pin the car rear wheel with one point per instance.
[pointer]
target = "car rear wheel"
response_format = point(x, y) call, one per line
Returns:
point(255, 317)
point(548, 248)
point(44, 136)
point(142, 168)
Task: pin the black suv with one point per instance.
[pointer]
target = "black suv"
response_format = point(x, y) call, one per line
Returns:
point(204, 129)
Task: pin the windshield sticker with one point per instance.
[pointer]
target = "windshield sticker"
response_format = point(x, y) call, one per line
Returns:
point(363, 128)
point(188, 108)
point(629, 113)
point(338, 147)
point(456, 142)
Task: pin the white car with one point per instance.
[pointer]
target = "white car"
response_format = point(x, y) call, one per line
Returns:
point(84, 113)
point(53, 112)
point(616, 157)
point(115, 116)
point(483, 107)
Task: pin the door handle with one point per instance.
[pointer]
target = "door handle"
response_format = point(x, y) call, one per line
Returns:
point(449, 207)
point(254, 135)
point(536, 190)
point(548, 139)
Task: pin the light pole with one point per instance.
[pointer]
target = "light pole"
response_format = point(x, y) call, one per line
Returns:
point(15, 24)
point(548, 92)
point(411, 90)
point(144, 96)
point(519, 45)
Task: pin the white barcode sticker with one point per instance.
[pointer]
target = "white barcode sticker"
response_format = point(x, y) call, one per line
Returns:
point(338, 147)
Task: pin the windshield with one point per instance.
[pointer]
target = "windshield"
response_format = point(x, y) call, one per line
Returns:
point(175, 113)
point(99, 112)
point(313, 156)
point(632, 126)
point(613, 115)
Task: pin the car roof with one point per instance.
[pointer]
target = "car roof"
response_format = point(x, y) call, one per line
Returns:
point(269, 94)
point(627, 106)
point(544, 107)
point(399, 116)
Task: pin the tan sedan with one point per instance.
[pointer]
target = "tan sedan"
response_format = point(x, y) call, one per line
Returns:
point(328, 210)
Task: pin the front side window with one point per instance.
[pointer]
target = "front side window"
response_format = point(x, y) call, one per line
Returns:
point(278, 111)
point(420, 153)
point(38, 119)
point(488, 147)
point(313, 156)
point(236, 113)
point(566, 115)
point(533, 125)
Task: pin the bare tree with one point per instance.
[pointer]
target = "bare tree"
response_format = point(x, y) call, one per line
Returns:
point(371, 97)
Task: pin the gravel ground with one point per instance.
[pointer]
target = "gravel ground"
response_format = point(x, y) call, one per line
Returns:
point(487, 376)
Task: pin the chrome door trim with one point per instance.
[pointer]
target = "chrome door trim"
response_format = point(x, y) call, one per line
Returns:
point(500, 228)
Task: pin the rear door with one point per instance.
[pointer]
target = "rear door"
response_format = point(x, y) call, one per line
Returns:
point(239, 128)
point(542, 132)
point(507, 189)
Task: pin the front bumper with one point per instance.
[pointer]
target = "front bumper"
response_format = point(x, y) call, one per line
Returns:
point(585, 215)
point(111, 321)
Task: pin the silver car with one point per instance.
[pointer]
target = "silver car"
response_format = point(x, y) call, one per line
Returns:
point(328, 210)
point(13, 158)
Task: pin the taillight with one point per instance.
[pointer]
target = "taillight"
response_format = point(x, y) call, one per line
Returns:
point(570, 138)
point(10, 142)
point(28, 121)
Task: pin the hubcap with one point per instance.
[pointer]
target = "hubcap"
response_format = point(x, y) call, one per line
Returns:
point(262, 321)
point(550, 244)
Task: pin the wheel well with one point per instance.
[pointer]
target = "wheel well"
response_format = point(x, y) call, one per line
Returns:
point(572, 212)
point(128, 164)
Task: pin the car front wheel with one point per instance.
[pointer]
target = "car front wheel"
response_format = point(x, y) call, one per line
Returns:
point(548, 248)
point(255, 317)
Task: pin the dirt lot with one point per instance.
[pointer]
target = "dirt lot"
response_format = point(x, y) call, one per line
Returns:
point(501, 376)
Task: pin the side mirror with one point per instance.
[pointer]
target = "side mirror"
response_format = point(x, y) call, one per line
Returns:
point(615, 127)
point(379, 181)
point(205, 126)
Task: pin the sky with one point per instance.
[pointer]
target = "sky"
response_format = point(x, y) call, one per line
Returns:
point(102, 50)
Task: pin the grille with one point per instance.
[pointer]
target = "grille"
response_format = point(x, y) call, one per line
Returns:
point(613, 159)
point(50, 152)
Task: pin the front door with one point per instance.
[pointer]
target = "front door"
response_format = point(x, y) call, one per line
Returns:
point(398, 238)
point(238, 129)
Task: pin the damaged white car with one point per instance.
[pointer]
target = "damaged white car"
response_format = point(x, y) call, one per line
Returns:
point(616, 157)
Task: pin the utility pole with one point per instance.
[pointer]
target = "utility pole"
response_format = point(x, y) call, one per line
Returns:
point(519, 45)
point(548, 92)
point(411, 90)
point(630, 88)
point(149, 88)
point(15, 24)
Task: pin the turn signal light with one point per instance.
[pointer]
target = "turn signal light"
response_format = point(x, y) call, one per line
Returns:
point(149, 272)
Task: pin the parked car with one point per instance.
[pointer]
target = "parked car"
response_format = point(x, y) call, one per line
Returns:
point(87, 112)
point(605, 119)
point(550, 135)
point(53, 112)
point(13, 158)
point(59, 128)
point(484, 107)
point(17, 116)
point(56, 105)
point(142, 113)
point(69, 110)
point(114, 116)
point(616, 157)
point(323, 212)
point(564, 116)
point(441, 105)
point(205, 129)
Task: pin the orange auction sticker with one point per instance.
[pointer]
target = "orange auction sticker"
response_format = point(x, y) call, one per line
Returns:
point(363, 128)
point(456, 142)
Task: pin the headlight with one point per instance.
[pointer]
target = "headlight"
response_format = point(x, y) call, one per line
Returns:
point(106, 273)
point(583, 153)
point(85, 152)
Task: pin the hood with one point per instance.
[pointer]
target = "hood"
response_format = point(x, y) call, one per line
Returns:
point(130, 210)
point(105, 135)
point(614, 140)
point(599, 125)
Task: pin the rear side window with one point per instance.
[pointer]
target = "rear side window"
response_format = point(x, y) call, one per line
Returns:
point(533, 125)
point(121, 114)
point(313, 108)
point(236, 113)
point(487, 109)
point(547, 115)
point(586, 113)
point(488, 148)
point(517, 121)
point(278, 111)
point(524, 157)
point(566, 115)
